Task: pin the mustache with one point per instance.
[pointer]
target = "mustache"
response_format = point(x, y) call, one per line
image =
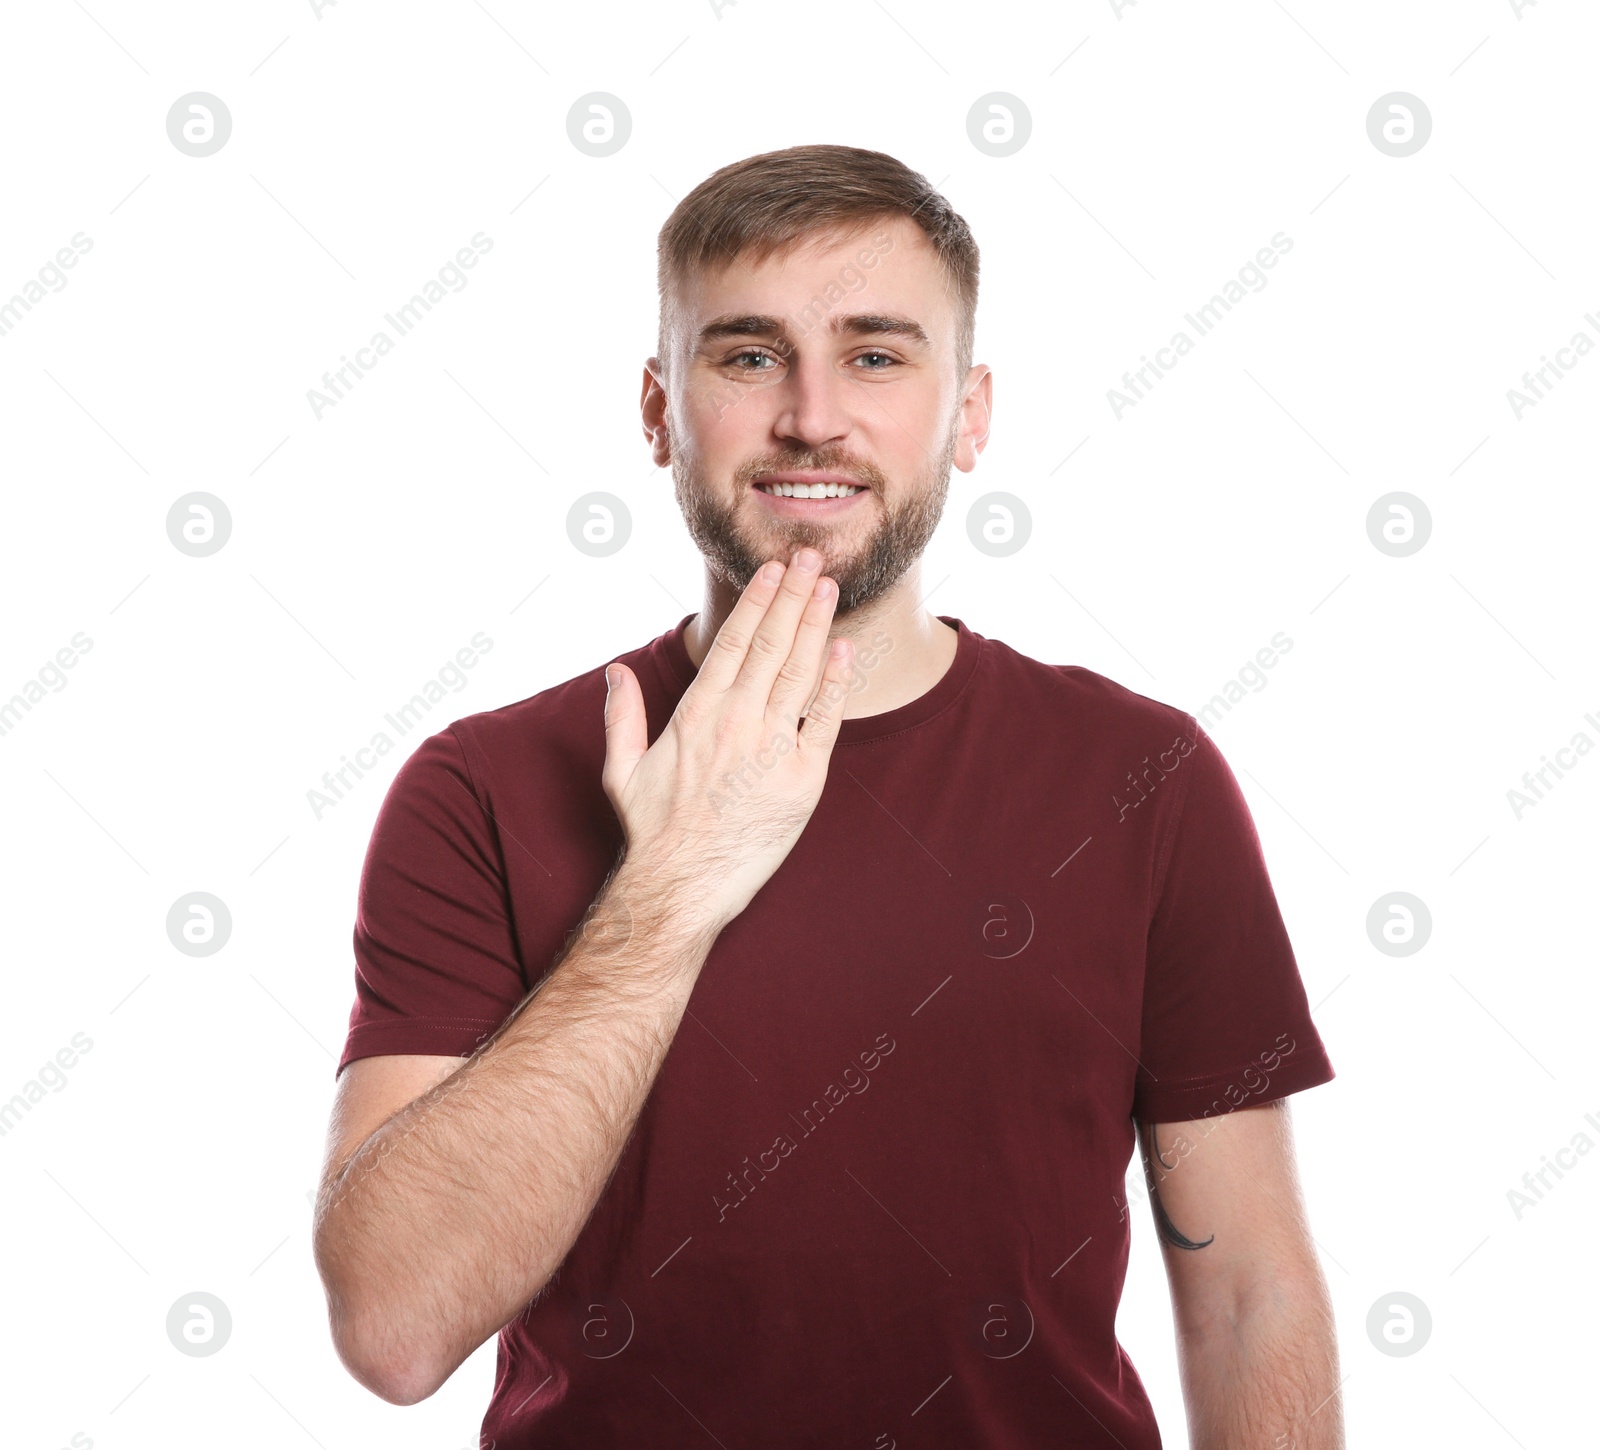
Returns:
point(894, 545)
point(861, 471)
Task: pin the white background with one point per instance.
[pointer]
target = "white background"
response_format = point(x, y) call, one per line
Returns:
point(1169, 143)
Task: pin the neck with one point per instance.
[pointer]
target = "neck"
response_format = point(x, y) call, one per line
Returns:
point(902, 648)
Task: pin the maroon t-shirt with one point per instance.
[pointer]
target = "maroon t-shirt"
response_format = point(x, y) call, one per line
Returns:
point(875, 1197)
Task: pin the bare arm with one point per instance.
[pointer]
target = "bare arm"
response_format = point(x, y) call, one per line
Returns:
point(439, 1227)
point(451, 1217)
point(1257, 1351)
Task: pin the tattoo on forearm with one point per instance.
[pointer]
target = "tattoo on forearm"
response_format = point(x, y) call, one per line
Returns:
point(1168, 1230)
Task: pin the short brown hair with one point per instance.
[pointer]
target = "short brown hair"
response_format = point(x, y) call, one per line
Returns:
point(771, 202)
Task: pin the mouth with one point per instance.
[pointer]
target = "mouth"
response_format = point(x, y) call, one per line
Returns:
point(800, 495)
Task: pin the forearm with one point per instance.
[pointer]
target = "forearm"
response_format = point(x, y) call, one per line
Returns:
point(1268, 1377)
point(454, 1214)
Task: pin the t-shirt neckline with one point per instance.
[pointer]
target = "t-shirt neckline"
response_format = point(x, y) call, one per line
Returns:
point(861, 728)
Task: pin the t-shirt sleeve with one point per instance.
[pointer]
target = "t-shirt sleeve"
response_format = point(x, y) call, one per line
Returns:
point(1225, 1020)
point(437, 967)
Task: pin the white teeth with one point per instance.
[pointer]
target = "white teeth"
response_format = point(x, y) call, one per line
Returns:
point(810, 490)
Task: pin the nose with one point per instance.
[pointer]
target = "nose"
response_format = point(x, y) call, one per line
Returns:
point(815, 403)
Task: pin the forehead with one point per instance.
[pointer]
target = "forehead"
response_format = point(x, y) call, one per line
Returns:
point(889, 262)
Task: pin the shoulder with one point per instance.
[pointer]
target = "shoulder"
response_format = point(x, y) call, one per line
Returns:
point(559, 726)
point(1095, 708)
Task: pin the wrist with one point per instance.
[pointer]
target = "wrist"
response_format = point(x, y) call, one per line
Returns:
point(655, 918)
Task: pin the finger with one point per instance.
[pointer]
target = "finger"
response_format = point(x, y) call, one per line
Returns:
point(821, 728)
point(627, 737)
point(721, 665)
point(773, 640)
point(798, 678)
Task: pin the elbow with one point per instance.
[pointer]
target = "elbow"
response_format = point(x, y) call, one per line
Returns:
point(409, 1391)
point(396, 1380)
point(383, 1363)
point(376, 1342)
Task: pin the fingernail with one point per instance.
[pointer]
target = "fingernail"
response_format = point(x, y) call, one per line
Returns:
point(611, 679)
point(808, 560)
point(771, 573)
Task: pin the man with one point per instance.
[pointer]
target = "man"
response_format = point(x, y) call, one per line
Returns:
point(815, 980)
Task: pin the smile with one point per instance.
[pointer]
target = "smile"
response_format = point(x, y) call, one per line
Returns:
point(809, 490)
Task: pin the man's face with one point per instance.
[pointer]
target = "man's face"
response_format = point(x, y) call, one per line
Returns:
point(836, 361)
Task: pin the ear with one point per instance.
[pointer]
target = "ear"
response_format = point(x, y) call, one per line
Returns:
point(653, 412)
point(973, 428)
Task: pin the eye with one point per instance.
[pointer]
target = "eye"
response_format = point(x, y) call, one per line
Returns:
point(892, 361)
point(735, 360)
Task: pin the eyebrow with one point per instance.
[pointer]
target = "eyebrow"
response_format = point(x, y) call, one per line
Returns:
point(858, 324)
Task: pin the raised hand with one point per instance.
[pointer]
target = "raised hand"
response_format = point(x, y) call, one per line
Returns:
point(711, 810)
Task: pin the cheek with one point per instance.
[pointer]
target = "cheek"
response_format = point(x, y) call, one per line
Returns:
point(906, 440)
point(924, 413)
point(709, 404)
point(720, 414)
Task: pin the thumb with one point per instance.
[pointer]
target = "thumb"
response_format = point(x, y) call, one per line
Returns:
point(626, 733)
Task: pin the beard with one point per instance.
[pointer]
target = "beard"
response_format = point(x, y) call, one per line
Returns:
point(865, 572)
